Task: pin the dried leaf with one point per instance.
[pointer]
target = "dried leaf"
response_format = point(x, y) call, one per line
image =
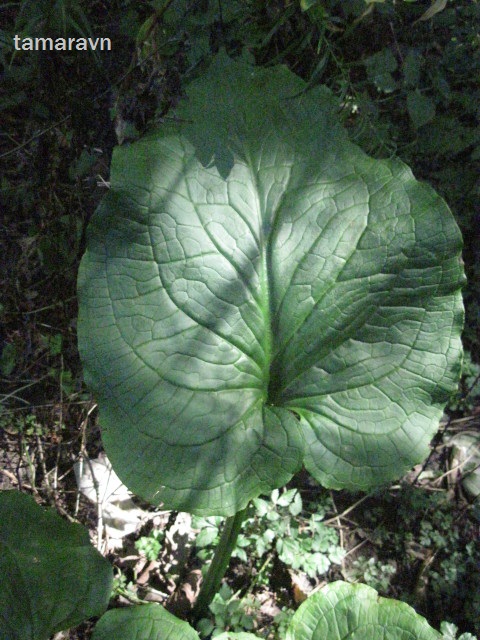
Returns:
point(437, 6)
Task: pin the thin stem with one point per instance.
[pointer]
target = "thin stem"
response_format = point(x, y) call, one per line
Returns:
point(259, 575)
point(219, 564)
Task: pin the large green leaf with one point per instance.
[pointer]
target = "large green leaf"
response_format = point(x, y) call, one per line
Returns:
point(258, 293)
point(144, 622)
point(342, 611)
point(51, 576)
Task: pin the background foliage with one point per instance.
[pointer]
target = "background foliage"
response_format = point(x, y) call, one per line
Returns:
point(408, 76)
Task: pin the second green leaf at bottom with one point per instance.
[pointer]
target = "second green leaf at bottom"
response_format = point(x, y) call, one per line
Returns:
point(356, 611)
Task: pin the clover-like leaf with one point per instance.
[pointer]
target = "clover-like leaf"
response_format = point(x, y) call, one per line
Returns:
point(257, 293)
point(52, 577)
point(145, 622)
point(342, 611)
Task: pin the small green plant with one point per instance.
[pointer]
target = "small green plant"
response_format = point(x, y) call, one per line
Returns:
point(208, 532)
point(282, 622)
point(373, 572)
point(122, 587)
point(230, 613)
point(151, 545)
point(468, 393)
point(449, 631)
point(272, 521)
point(301, 542)
point(17, 423)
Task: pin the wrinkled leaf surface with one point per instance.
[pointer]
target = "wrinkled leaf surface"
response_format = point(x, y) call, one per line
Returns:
point(342, 611)
point(257, 293)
